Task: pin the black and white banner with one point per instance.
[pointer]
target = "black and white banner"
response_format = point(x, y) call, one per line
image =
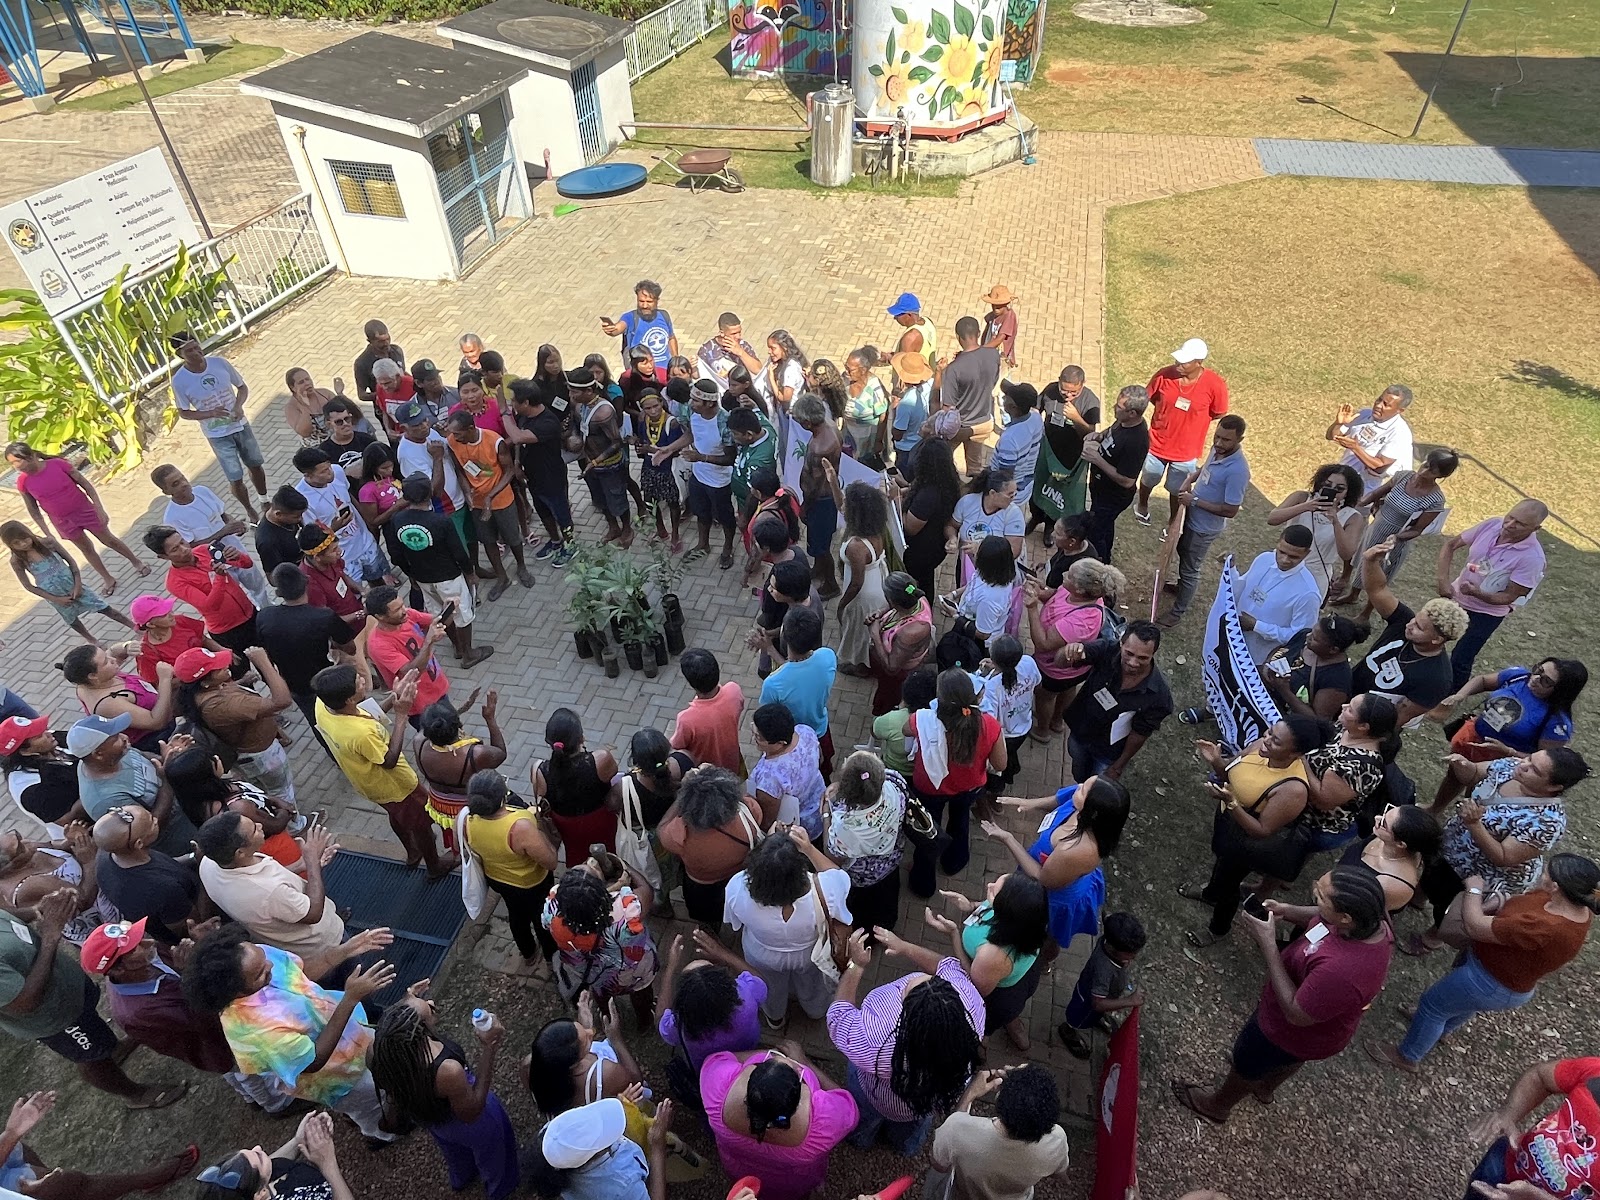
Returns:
point(1239, 701)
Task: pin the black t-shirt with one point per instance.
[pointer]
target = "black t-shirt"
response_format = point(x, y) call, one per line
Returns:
point(161, 891)
point(46, 788)
point(541, 460)
point(1124, 447)
point(366, 384)
point(1335, 675)
point(276, 545)
point(296, 638)
point(296, 1179)
point(1061, 562)
point(1065, 439)
point(1393, 666)
point(348, 457)
point(653, 807)
point(427, 546)
point(1101, 700)
point(927, 544)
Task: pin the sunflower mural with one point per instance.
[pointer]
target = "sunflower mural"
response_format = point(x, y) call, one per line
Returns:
point(942, 68)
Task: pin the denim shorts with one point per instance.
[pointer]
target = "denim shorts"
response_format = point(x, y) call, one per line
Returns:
point(236, 451)
point(1176, 472)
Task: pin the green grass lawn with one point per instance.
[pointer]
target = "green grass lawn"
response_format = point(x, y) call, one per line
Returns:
point(230, 60)
point(1239, 73)
point(1494, 345)
point(696, 87)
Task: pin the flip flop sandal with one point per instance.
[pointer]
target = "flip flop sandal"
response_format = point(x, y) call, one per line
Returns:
point(695, 555)
point(1415, 947)
point(165, 1097)
point(187, 1160)
point(1203, 937)
point(725, 561)
point(1193, 891)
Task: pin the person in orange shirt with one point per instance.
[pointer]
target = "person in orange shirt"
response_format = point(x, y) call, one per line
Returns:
point(709, 728)
point(486, 468)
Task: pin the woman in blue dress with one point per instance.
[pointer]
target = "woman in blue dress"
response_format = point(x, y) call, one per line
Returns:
point(1081, 831)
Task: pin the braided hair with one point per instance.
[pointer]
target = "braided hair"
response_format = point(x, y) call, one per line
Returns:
point(402, 1068)
point(936, 1049)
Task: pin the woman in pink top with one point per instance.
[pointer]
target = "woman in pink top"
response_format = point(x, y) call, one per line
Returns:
point(902, 637)
point(60, 490)
point(775, 1117)
point(1074, 612)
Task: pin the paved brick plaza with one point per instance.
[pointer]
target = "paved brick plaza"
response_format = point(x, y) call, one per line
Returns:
point(822, 266)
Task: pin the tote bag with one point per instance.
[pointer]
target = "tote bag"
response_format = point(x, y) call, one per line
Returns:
point(474, 883)
point(633, 842)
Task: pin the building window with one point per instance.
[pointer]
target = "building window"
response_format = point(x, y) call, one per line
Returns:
point(367, 189)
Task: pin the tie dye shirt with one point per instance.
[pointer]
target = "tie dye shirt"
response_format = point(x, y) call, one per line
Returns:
point(274, 1032)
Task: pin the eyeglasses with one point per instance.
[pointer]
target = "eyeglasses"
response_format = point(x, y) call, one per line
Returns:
point(122, 814)
point(339, 420)
point(227, 1180)
point(1548, 679)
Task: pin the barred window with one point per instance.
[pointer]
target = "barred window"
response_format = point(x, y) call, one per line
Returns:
point(367, 189)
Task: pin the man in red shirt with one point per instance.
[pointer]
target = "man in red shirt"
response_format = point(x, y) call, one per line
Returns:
point(709, 728)
point(205, 585)
point(1184, 399)
point(402, 639)
point(328, 584)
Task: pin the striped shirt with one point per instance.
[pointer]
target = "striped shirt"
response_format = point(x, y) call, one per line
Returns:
point(865, 1035)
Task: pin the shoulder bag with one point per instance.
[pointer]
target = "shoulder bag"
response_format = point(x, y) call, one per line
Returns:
point(830, 953)
point(633, 842)
point(474, 883)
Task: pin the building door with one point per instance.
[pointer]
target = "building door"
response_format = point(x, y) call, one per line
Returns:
point(586, 99)
point(475, 168)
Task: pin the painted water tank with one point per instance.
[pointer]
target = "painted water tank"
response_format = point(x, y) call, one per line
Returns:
point(938, 61)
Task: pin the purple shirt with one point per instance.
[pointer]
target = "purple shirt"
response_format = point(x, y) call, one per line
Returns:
point(743, 1031)
point(865, 1035)
point(1492, 566)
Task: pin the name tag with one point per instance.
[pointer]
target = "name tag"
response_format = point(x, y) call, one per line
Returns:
point(1182, 405)
point(1314, 936)
point(1105, 699)
point(24, 935)
point(342, 589)
point(472, 469)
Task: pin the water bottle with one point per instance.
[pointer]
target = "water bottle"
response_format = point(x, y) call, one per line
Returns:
point(482, 1019)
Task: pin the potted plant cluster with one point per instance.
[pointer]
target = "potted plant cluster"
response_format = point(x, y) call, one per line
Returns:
point(610, 609)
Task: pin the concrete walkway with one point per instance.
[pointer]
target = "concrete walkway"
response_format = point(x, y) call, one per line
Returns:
point(1498, 165)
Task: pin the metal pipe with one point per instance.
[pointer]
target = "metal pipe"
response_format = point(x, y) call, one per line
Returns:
point(299, 132)
point(172, 151)
point(724, 128)
point(1439, 75)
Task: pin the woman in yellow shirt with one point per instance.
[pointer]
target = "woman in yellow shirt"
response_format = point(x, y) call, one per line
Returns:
point(519, 862)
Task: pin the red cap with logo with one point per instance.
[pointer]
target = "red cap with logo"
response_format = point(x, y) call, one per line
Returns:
point(198, 662)
point(16, 732)
point(109, 943)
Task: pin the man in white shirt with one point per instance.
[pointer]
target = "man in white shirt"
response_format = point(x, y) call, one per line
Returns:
point(207, 389)
point(1278, 595)
point(1018, 447)
point(327, 493)
point(195, 511)
point(1377, 441)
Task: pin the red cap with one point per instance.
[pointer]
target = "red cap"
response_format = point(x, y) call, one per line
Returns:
point(198, 662)
point(109, 943)
point(17, 731)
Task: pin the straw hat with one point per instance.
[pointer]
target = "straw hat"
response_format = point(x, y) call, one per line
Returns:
point(999, 294)
point(911, 367)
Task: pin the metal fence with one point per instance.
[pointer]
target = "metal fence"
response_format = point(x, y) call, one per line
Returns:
point(119, 339)
point(660, 36)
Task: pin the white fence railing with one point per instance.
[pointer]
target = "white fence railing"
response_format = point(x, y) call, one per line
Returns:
point(263, 260)
point(660, 36)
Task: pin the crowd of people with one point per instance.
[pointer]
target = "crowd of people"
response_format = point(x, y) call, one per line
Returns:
point(179, 870)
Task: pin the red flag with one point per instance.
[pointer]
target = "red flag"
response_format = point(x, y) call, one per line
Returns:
point(1117, 1131)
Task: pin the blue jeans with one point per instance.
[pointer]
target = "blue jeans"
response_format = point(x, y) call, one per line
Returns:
point(13, 705)
point(1452, 1002)
point(906, 1137)
point(1480, 627)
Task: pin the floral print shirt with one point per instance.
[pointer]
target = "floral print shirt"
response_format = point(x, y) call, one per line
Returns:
point(1532, 820)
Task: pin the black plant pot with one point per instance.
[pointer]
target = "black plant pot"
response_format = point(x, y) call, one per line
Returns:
point(652, 662)
point(580, 639)
point(608, 657)
point(675, 639)
point(658, 647)
point(671, 609)
point(634, 652)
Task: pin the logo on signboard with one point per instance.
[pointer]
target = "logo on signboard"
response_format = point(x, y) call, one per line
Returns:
point(24, 235)
point(51, 284)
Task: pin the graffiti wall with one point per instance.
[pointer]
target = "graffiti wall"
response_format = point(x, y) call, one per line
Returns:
point(789, 37)
point(938, 60)
point(1024, 31)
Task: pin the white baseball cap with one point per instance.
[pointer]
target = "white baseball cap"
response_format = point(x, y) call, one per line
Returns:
point(574, 1137)
point(1194, 350)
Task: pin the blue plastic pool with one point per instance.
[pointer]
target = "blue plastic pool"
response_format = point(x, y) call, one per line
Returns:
point(603, 180)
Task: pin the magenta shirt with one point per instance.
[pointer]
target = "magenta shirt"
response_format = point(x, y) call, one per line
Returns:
point(1492, 566)
point(489, 419)
point(786, 1172)
point(1075, 623)
point(63, 501)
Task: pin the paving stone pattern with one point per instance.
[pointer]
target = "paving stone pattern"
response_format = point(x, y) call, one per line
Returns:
point(822, 266)
point(1502, 165)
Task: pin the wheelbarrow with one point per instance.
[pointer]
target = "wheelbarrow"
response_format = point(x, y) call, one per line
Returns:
point(703, 167)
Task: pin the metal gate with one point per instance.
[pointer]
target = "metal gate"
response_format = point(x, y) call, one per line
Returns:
point(483, 192)
point(586, 98)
